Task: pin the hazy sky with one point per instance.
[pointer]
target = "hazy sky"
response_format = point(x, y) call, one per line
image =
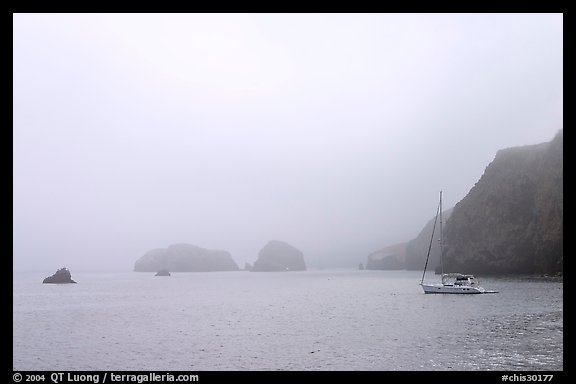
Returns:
point(332, 132)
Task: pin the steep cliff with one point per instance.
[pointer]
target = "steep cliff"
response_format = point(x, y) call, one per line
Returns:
point(511, 221)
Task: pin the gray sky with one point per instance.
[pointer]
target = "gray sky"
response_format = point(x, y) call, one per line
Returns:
point(333, 132)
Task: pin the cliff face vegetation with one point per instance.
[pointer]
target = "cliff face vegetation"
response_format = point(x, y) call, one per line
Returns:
point(511, 221)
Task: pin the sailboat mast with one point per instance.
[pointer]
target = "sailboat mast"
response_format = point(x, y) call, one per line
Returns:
point(439, 210)
point(441, 238)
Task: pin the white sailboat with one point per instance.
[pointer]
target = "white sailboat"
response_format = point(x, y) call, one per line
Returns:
point(451, 282)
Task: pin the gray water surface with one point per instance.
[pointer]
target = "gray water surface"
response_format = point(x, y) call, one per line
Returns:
point(313, 320)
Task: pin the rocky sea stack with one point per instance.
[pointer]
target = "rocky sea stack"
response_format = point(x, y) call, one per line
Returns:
point(162, 272)
point(185, 258)
point(62, 276)
point(391, 257)
point(279, 256)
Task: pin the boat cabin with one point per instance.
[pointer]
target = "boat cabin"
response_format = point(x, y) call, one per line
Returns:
point(464, 280)
point(457, 279)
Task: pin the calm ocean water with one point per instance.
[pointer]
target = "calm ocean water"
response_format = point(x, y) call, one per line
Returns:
point(314, 320)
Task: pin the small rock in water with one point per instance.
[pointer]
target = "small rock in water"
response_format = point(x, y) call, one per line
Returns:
point(62, 276)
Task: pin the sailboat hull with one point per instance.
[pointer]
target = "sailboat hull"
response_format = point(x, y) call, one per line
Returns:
point(449, 288)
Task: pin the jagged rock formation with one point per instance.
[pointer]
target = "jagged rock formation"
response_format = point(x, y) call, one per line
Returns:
point(162, 272)
point(62, 276)
point(511, 221)
point(417, 248)
point(185, 258)
point(279, 256)
point(391, 257)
